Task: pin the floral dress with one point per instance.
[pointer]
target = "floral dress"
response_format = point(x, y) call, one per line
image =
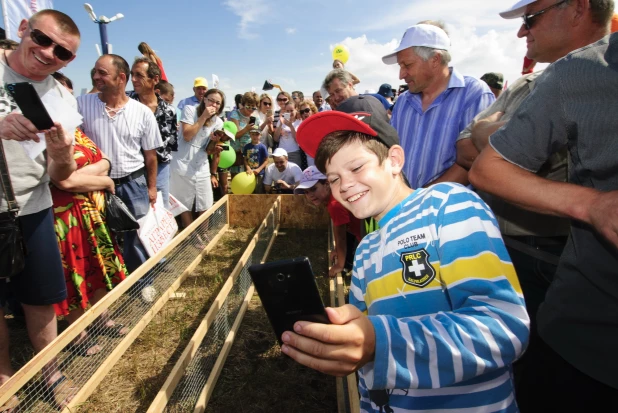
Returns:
point(91, 257)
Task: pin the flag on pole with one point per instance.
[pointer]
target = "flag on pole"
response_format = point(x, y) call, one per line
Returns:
point(14, 11)
point(215, 81)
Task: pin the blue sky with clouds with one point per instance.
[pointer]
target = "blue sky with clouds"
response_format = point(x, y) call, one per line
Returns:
point(245, 42)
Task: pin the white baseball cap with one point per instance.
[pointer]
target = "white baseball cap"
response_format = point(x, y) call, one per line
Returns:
point(517, 10)
point(280, 152)
point(426, 35)
point(311, 176)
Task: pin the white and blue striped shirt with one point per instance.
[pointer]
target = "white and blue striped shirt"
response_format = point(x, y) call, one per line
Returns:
point(449, 316)
point(428, 137)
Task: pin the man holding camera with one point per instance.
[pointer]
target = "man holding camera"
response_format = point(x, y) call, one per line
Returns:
point(49, 41)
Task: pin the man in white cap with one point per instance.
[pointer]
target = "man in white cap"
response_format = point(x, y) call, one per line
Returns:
point(281, 176)
point(529, 235)
point(439, 104)
point(571, 362)
point(200, 87)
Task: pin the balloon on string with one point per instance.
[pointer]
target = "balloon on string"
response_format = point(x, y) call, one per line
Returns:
point(243, 184)
point(340, 52)
point(227, 157)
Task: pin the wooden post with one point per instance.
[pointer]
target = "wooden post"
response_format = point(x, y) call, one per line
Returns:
point(351, 378)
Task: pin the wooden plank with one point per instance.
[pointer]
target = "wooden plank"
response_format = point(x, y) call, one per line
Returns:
point(166, 391)
point(297, 212)
point(351, 378)
point(204, 396)
point(34, 366)
point(123, 346)
point(249, 210)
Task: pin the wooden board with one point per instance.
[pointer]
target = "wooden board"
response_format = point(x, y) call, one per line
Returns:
point(296, 211)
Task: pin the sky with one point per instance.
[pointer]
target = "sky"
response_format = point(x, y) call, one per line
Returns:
point(245, 42)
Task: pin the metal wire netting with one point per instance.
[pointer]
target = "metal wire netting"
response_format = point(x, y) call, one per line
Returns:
point(188, 390)
point(126, 312)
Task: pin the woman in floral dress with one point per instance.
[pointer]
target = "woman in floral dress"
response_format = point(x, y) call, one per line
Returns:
point(91, 258)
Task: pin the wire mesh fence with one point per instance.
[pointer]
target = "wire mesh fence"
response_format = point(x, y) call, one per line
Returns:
point(119, 320)
point(188, 390)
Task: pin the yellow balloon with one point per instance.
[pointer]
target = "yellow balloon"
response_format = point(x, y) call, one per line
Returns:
point(243, 184)
point(340, 52)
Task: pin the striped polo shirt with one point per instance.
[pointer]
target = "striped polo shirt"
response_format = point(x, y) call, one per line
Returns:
point(428, 137)
point(439, 288)
point(121, 137)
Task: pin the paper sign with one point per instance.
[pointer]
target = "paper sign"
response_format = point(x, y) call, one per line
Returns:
point(157, 228)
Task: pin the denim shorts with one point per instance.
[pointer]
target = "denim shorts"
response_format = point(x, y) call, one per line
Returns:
point(42, 280)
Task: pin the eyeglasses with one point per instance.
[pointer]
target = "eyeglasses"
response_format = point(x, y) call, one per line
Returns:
point(307, 110)
point(214, 102)
point(282, 99)
point(44, 40)
point(267, 103)
point(529, 19)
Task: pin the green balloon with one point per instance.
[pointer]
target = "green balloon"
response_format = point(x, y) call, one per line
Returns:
point(227, 157)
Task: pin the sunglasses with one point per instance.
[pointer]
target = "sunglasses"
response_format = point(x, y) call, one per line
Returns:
point(251, 108)
point(529, 19)
point(267, 103)
point(307, 110)
point(44, 40)
point(282, 100)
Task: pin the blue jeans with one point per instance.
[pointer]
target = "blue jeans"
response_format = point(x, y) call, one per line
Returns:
point(135, 195)
point(163, 182)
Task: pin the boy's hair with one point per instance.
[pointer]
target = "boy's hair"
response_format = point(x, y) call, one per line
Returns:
point(250, 99)
point(164, 87)
point(332, 143)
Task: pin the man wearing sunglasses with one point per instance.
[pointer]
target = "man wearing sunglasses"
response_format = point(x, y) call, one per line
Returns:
point(49, 41)
point(570, 363)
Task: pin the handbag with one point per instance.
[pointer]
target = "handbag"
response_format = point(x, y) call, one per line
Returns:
point(12, 245)
point(117, 215)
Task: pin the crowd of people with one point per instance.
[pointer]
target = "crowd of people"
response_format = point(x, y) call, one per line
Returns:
point(486, 280)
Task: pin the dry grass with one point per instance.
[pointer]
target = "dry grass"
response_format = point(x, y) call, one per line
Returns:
point(257, 377)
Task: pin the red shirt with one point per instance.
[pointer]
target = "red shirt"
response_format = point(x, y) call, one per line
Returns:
point(342, 216)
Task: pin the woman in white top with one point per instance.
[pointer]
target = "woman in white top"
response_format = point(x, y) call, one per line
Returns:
point(190, 180)
point(267, 118)
point(285, 133)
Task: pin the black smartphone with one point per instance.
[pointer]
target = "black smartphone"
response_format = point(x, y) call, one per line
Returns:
point(289, 293)
point(30, 104)
point(252, 119)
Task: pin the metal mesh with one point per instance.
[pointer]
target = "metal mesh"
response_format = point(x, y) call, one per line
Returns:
point(127, 310)
point(196, 375)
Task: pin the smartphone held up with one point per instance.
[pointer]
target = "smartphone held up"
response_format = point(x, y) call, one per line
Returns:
point(289, 293)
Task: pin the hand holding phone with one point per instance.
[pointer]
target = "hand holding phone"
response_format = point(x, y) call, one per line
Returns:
point(289, 293)
point(252, 120)
point(286, 116)
point(29, 102)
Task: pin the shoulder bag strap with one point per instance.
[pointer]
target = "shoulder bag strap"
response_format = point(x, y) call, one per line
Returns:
point(5, 178)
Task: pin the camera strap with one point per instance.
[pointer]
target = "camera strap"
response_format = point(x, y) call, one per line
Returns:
point(5, 178)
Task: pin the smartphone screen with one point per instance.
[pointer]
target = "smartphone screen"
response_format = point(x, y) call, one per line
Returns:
point(30, 104)
point(289, 293)
point(252, 119)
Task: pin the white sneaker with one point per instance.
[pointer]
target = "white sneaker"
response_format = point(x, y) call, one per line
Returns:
point(149, 293)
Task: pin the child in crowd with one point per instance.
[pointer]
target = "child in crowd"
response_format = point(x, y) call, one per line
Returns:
point(256, 158)
point(436, 314)
point(214, 147)
point(346, 227)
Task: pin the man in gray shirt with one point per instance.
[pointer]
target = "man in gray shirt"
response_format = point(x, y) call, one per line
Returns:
point(574, 105)
point(49, 41)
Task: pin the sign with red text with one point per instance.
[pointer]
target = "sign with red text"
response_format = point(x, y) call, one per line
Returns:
point(157, 228)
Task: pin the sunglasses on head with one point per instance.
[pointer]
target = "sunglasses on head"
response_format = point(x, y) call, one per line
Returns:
point(44, 40)
point(307, 110)
point(529, 19)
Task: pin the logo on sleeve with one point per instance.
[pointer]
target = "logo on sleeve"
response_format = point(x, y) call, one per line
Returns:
point(417, 270)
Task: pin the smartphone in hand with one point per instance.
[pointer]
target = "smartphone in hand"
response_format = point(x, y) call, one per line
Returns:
point(286, 116)
point(252, 120)
point(289, 293)
point(30, 104)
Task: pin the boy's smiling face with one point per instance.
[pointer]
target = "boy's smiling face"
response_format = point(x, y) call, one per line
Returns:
point(361, 184)
point(255, 138)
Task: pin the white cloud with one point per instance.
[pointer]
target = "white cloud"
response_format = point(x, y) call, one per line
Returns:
point(251, 14)
point(290, 30)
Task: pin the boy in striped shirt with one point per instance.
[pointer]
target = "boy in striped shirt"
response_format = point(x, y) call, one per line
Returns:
point(436, 314)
